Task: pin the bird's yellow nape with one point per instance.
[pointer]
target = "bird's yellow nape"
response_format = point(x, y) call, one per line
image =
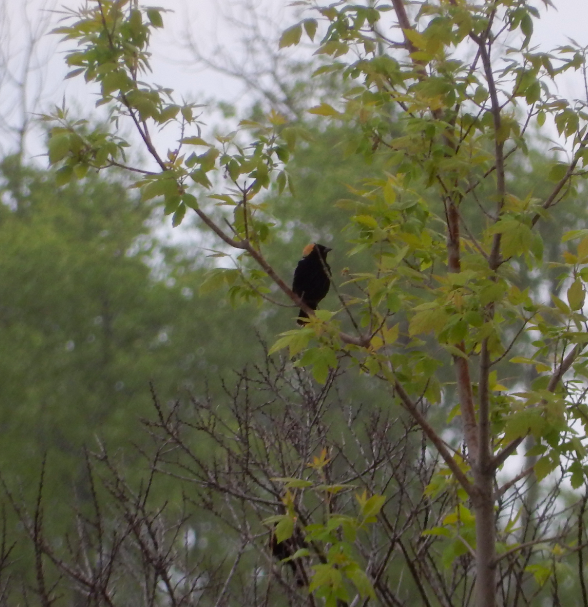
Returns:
point(307, 249)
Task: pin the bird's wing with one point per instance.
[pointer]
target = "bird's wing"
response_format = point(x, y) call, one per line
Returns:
point(297, 287)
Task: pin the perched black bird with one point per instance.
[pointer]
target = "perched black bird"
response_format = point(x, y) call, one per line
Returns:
point(285, 549)
point(312, 277)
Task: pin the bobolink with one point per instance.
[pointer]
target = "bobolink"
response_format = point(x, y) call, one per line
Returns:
point(312, 277)
point(287, 548)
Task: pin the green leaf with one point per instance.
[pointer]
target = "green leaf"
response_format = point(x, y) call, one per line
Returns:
point(361, 581)
point(179, 215)
point(208, 159)
point(64, 175)
point(59, 147)
point(190, 201)
point(540, 572)
point(217, 278)
point(583, 249)
point(154, 16)
point(284, 529)
point(389, 193)
point(187, 113)
point(541, 116)
point(294, 483)
point(299, 341)
point(228, 200)
point(558, 171)
point(168, 113)
point(272, 520)
point(425, 321)
point(80, 170)
point(480, 95)
point(172, 202)
point(324, 109)
point(523, 360)
point(573, 234)
point(543, 467)
point(518, 425)
point(578, 477)
point(527, 25)
point(291, 36)
point(194, 141)
point(373, 506)
point(437, 531)
point(559, 304)
point(454, 351)
point(492, 292)
point(366, 220)
point(576, 295)
point(320, 371)
point(199, 176)
point(325, 575)
point(74, 73)
point(291, 337)
point(114, 81)
point(533, 92)
point(310, 26)
point(416, 38)
point(517, 237)
point(301, 552)
point(281, 181)
point(135, 21)
point(163, 185)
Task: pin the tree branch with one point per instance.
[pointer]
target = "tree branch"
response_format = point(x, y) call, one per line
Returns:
point(412, 408)
point(513, 481)
point(484, 436)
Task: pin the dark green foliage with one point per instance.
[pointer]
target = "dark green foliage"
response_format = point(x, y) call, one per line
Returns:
point(92, 311)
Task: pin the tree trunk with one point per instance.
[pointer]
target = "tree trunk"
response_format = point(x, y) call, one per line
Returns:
point(485, 594)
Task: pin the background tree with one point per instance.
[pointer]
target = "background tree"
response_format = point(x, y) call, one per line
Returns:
point(93, 310)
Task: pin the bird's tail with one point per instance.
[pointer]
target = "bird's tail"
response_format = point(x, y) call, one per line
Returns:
point(301, 316)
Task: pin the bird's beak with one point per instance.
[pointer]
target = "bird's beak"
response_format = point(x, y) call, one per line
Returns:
point(328, 249)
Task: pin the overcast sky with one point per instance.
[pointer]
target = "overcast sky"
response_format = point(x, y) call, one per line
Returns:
point(207, 21)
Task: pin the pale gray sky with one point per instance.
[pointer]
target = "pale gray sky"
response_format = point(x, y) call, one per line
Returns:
point(207, 20)
point(569, 19)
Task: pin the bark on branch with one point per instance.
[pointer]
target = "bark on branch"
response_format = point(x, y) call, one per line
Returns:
point(412, 408)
